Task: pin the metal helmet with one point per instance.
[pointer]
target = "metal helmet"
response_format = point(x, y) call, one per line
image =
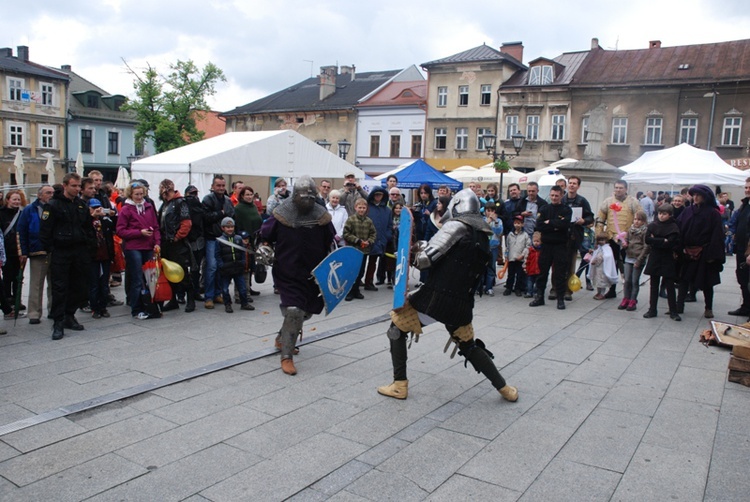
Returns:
point(464, 202)
point(304, 194)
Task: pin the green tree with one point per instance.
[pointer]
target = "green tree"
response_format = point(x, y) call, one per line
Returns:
point(167, 107)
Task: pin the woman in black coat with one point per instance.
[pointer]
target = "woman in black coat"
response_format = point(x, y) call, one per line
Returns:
point(702, 247)
point(663, 239)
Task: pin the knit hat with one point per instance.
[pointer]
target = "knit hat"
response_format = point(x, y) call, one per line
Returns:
point(665, 208)
point(227, 222)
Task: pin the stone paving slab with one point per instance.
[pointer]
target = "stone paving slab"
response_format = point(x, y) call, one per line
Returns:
point(613, 407)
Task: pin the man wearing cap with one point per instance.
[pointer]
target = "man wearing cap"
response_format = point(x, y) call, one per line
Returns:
point(302, 233)
point(67, 232)
point(218, 206)
point(175, 224)
point(351, 192)
point(32, 251)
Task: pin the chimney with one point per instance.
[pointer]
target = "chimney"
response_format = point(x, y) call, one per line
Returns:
point(327, 81)
point(514, 49)
point(66, 68)
point(595, 44)
point(345, 70)
point(653, 44)
point(23, 53)
point(6, 52)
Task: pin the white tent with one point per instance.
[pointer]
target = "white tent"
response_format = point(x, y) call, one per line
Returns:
point(486, 174)
point(267, 153)
point(682, 165)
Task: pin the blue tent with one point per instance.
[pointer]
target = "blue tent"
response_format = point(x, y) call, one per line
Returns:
point(420, 172)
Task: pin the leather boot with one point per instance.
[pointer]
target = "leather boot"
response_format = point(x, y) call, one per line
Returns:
point(57, 331)
point(537, 301)
point(399, 389)
point(509, 393)
point(190, 305)
point(287, 366)
point(71, 323)
point(560, 303)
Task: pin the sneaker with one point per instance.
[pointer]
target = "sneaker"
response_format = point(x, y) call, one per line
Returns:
point(600, 296)
point(96, 315)
point(104, 313)
point(379, 283)
point(114, 302)
point(228, 308)
point(142, 316)
point(209, 304)
point(370, 287)
point(12, 315)
point(528, 295)
point(649, 314)
point(518, 293)
point(507, 292)
point(623, 304)
point(675, 317)
point(219, 299)
point(247, 306)
point(86, 309)
point(358, 296)
point(490, 292)
point(632, 305)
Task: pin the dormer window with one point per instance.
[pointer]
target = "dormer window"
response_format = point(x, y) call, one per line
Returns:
point(92, 101)
point(541, 75)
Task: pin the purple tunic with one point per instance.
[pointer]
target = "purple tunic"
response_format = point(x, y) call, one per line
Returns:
point(298, 251)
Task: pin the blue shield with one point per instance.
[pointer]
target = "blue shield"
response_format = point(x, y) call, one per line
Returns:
point(401, 279)
point(336, 274)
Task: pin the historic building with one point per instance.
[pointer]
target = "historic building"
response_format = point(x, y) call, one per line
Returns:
point(462, 102)
point(32, 117)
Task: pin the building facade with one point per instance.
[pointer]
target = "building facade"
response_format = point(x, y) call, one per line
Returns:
point(32, 117)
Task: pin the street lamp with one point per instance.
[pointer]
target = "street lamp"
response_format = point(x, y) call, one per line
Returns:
point(344, 147)
point(131, 158)
point(489, 144)
point(325, 144)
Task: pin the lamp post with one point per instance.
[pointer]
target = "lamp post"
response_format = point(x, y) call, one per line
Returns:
point(325, 144)
point(491, 146)
point(344, 147)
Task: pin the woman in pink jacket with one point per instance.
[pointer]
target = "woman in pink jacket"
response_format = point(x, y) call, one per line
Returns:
point(138, 227)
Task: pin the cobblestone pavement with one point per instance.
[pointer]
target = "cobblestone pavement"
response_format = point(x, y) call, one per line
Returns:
point(612, 407)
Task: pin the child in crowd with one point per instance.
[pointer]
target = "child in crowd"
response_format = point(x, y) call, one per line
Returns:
point(588, 243)
point(390, 250)
point(249, 264)
point(517, 245)
point(100, 260)
point(496, 224)
point(663, 238)
point(359, 231)
point(635, 257)
point(231, 263)
point(602, 269)
point(531, 265)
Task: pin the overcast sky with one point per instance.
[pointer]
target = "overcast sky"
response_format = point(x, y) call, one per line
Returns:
point(264, 46)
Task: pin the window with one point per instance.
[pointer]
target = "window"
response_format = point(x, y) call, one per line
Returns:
point(374, 146)
point(441, 138)
point(462, 138)
point(46, 136)
point(463, 95)
point(558, 127)
point(16, 133)
point(486, 95)
point(481, 131)
point(532, 127)
point(87, 136)
point(511, 126)
point(541, 75)
point(585, 130)
point(416, 146)
point(113, 142)
point(15, 88)
point(653, 131)
point(619, 130)
point(395, 145)
point(46, 91)
point(442, 96)
point(92, 101)
point(689, 131)
point(731, 134)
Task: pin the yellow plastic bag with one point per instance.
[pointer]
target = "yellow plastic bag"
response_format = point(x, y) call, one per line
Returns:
point(574, 283)
point(172, 271)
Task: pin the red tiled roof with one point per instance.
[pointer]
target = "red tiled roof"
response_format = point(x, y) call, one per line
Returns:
point(396, 94)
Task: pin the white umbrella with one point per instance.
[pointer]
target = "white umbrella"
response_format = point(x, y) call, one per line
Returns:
point(123, 178)
point(79, 164)
point(50, 168)
point(19, 167)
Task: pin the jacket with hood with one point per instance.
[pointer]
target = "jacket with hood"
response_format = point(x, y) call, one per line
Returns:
point(382, 218)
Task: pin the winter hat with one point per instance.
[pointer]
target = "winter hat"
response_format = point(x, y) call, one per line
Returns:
point(227, 222)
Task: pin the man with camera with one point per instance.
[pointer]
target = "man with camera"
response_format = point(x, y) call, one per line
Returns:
point(351, 192)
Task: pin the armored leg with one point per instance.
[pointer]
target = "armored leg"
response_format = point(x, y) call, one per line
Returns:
point(400, 387)
point(290, 329)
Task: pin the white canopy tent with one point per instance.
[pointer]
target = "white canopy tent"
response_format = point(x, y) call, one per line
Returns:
point(682, 165)
point(265, 153)
point(486, 174)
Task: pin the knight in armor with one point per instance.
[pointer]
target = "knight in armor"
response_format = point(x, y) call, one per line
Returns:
point(302, 233)
point(457, 256)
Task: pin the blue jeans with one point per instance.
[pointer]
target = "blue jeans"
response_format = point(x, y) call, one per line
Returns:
point(209, 282)
point(489, 274)
point(531, 284)
point(239, 283)
point(134, 260)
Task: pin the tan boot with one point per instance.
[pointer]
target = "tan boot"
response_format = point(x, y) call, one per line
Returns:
point(509, 393)
point(287, 366)
point(398, 389)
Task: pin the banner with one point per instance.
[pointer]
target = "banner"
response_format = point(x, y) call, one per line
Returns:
point(336, 274)
point(401, 279)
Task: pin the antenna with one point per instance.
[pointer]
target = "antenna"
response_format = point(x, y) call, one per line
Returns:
point(311, 65)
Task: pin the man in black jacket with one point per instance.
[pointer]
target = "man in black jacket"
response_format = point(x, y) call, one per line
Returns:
point(529, 207)
point(67, 232)
point(218, 206)
point(577, 204)
point(196, 238)
point(553, 223)
point(739, 225)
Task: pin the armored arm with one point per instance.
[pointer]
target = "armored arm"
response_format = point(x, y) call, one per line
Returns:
point(448, 235)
